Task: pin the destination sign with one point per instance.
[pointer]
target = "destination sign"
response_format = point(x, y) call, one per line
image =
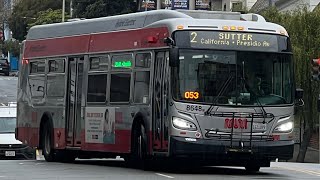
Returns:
point(228, 40)
point(122, 64)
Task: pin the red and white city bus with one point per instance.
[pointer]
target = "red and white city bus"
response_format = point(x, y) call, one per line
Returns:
point(211, 86)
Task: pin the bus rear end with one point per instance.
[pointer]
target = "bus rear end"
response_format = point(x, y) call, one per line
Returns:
point(232, 98)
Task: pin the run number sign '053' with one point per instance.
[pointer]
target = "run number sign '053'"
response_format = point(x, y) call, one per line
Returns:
point(233, 40)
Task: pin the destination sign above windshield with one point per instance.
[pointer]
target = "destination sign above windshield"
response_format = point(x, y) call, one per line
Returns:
point(228, 40)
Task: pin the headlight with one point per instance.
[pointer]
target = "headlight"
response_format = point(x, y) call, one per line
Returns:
point(285, 127)
point(183, 124)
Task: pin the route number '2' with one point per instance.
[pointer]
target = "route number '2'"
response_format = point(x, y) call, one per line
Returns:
point(193, 37)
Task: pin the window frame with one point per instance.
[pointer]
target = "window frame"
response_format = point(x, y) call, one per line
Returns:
point(143, 69)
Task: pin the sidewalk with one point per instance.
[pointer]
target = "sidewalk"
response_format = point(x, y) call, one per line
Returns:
point(15, 73)
point(312, 155)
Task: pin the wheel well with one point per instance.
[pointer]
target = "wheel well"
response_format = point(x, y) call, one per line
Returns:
point(44, 120)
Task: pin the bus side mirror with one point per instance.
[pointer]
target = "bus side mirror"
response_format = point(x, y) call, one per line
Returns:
point(174, 57)
point(299, 94)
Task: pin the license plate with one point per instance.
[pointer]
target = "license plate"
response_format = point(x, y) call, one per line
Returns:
point(259, 126)
point(10, 153)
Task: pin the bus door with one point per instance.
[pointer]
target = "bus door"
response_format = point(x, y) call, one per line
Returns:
point(160, 121)
point(74, 96)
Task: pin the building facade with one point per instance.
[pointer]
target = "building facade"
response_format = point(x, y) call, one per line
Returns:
point(285, 5)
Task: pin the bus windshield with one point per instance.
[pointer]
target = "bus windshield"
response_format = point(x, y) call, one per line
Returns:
point(233, 78)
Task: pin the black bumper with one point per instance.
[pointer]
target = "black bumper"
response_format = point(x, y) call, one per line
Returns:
point(221, 150)
point(20, 152)
point(4, 70)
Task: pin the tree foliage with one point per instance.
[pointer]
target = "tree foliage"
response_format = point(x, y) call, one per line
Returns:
point(26, 12)
point(303, 28)
point(12, 46)
point(47, 17)
point(102, 8)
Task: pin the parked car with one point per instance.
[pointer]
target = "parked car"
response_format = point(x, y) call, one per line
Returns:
point(4, 66)
point(10, 147)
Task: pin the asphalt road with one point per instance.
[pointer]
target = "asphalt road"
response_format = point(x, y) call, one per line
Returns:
point(8, 89)
point(116, 169)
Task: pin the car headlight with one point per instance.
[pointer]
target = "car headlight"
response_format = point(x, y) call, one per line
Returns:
point(285, 127)
point(183, 124)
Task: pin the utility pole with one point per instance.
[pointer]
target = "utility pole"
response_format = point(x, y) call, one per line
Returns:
point(158, 4)
point(71, 9)
point(192, 4)
point(63, 9)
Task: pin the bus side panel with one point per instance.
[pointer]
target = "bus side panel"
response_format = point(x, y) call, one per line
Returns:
point(123, 118)
point(27, 126)
point(134, 39)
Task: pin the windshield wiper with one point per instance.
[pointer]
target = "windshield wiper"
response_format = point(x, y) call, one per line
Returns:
point(222, 90)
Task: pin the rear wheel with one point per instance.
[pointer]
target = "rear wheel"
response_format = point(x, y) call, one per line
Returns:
point(47, 143)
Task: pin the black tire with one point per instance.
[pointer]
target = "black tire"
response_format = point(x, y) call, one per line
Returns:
point(138, 156)
point(47, 143)
point(7, 73)
point(252, 168)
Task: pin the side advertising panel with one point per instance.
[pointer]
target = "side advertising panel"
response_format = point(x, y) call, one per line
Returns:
point(100, 125)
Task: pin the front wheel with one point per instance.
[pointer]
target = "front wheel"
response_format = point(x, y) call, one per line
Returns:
point(47, 143)
point(139, 148)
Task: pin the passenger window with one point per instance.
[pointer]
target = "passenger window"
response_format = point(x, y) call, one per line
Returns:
point(37, 67)
point(41, 67)
point(120, 87)
point(123, 61)
point(141, 87)
point(56, 66)
point(143, 60)
point(99, 63)
point(33, 67)
point(97, 85)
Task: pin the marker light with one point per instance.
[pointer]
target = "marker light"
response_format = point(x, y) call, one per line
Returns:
point(180, 27)
point(25, 61)
point(284, 128)
point(225, 28)
point(233, 28)
point(183, 124)
point(240, 28)
point(152, 39)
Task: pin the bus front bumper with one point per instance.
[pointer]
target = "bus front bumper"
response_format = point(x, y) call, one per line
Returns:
point(220, 149)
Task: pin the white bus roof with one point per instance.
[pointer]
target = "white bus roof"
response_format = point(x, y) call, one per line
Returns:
point(168, 18)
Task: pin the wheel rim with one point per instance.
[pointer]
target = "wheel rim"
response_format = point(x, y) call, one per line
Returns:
point(47, 143)
point(140, 146)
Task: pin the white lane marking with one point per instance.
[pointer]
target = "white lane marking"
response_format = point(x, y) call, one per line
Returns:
point(159, 174)
point(20, 163)
point(2, 176)
point(315, 173)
